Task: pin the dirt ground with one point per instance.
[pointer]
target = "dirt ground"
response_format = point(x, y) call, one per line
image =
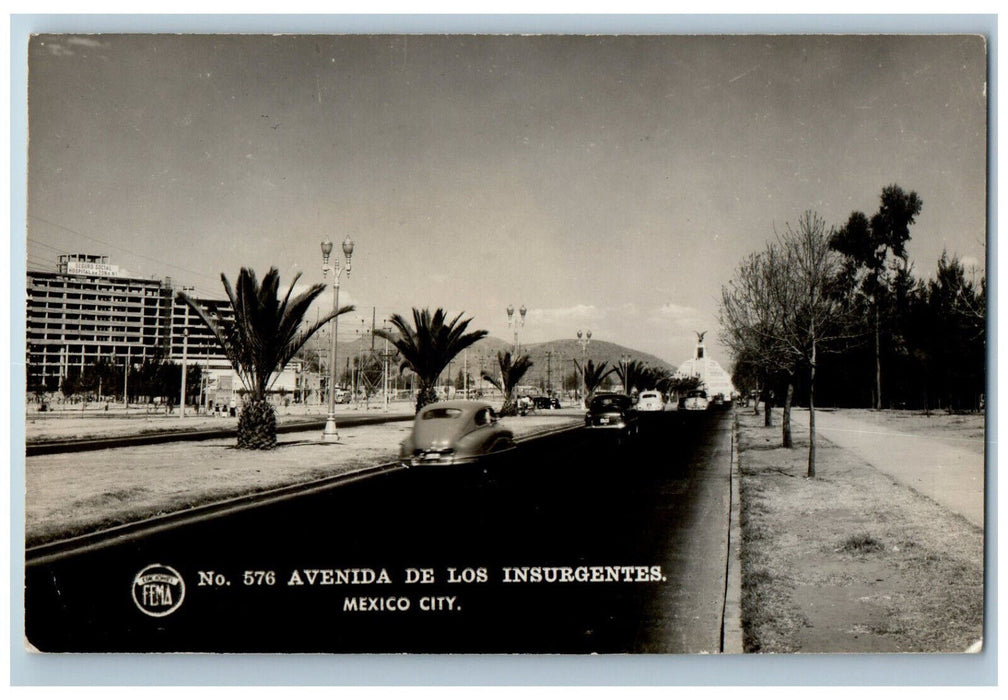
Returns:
point(93, 421)
point(72, 493)
point(851, 561)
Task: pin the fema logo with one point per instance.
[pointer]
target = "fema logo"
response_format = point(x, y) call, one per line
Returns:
point(158, 590)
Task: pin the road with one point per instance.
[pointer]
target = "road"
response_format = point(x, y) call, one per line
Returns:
point(573, 545)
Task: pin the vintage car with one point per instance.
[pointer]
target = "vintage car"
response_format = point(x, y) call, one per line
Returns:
point(695, 400)
point(651, 400)
point(454, 432)
point(545, 402)
point(612, 412)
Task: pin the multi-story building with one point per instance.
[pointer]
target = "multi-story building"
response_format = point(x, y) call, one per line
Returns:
point(88, 310)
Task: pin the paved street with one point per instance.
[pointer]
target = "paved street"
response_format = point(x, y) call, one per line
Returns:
point(572, 546)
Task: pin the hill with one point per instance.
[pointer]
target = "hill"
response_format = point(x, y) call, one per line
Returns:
point(551, 360)
point(554, 359)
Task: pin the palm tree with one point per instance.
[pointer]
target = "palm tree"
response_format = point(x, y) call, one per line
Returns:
point(511, 372)
point(631, 375)
point(594, 376)
point(428, 345)
point(265, 334)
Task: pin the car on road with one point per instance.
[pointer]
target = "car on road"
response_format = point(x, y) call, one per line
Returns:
point(695, 400)
point(612, 412)
point(545, 402)
point(651, 400)
point(454, 432)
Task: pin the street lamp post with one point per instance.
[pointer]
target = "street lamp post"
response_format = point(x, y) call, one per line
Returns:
point(584, 339)
point(329, 433)
point(516, 320)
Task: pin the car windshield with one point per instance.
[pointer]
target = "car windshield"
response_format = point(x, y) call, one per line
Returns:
point(697, 394)
point(649, 395)
point(600, 403)
point(435, 413)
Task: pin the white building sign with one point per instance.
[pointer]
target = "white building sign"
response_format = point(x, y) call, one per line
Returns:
point(92, 269)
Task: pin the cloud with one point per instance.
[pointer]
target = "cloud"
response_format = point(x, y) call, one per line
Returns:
point(682, 316)
point(568, 314)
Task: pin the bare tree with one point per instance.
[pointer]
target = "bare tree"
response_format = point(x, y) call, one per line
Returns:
point(815, 317)
point(779, 310)
point(752, 319)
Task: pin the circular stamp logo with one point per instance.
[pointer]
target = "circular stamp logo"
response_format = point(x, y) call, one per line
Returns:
point(158, 590)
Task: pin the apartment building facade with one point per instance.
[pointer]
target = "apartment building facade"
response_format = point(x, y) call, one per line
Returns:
point(88, 310)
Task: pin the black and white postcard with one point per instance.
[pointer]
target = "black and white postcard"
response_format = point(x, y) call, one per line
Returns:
point(513, 343)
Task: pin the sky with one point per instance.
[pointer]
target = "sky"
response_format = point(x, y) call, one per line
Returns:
point(610, 183)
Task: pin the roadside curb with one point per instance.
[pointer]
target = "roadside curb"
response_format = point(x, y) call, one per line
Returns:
point(731, 620)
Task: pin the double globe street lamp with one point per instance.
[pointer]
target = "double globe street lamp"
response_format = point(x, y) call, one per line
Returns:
point(516, 321)
point(329, 433)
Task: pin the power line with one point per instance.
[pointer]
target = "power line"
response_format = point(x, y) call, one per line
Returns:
point(118, 247)
point(34, 241)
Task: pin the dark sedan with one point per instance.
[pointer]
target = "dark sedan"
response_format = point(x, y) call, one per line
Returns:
point(612, 413)
point(545, 402)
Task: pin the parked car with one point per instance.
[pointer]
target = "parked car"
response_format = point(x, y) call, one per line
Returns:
point(695, 400)
point(343, 395)
point(651, 401)
point(454, 432)
point(546, 402)
point(612, 412)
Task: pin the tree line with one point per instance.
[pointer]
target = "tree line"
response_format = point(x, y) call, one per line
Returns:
point(836, 316)
point(153, 379)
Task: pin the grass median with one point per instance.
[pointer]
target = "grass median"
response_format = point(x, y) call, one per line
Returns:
point(70, 494)
point(851, 561)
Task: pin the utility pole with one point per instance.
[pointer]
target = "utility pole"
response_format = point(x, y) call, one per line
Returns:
point(549, 373)
point(126, 379)
point(385, 364)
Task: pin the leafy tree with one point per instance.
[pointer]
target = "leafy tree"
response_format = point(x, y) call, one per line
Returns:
point(70, 384)
point(264, 335)
point(868, 246)
point(512, 369)
point(428, 345)
point(956, 344)
point(571, 381)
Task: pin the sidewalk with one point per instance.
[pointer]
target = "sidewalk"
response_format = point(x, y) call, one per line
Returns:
point(950, 476)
